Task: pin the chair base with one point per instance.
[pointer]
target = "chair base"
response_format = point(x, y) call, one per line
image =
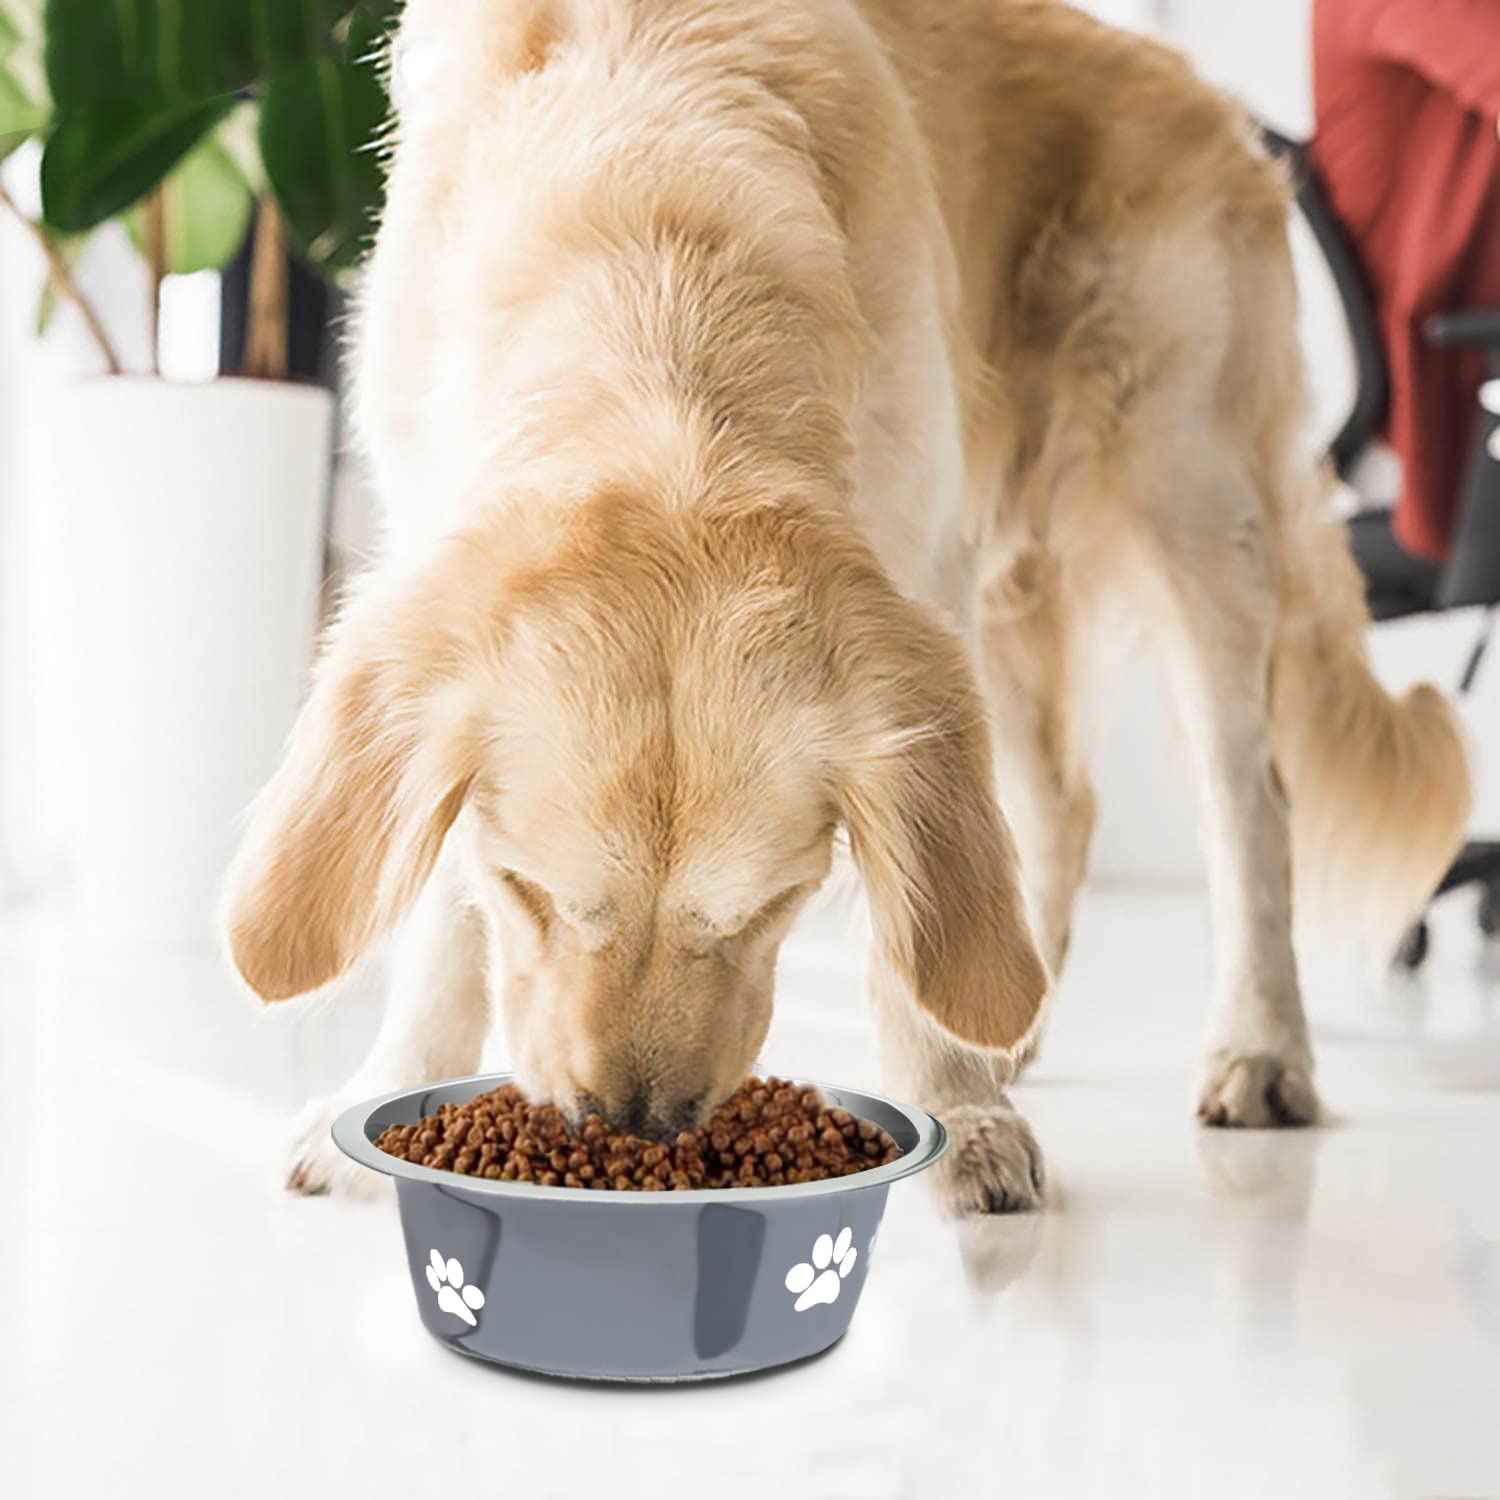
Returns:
point(1477, 864)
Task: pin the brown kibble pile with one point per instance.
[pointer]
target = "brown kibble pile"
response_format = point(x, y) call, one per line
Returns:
point(767, 1133)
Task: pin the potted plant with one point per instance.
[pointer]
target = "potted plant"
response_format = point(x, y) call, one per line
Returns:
point(196, 511)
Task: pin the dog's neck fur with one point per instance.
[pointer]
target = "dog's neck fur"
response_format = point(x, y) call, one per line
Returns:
point(689, 340)
point(689, 371)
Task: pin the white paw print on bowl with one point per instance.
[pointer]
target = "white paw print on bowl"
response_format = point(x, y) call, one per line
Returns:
point(446, 1277)
point(832, 1260)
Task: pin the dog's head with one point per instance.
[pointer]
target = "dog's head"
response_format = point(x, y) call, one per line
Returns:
point(653, 724)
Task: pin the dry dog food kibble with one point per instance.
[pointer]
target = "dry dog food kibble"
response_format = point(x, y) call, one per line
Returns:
point(768, 1132)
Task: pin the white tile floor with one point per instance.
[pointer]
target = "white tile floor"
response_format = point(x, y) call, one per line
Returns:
point(1263, 1316)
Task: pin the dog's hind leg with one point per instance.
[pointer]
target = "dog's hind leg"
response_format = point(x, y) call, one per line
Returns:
point(433, 1027)
point(1030, 667)
point(1211, 589)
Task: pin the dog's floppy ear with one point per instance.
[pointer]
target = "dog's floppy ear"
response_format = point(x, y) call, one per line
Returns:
point(346, 833)
point(934, 850)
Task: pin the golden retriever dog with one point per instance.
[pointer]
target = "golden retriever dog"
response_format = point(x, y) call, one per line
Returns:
point(768, 398)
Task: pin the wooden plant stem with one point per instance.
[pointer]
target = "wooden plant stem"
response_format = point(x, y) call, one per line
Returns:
point(65, 283)
point(266, 332)
point(156, 263)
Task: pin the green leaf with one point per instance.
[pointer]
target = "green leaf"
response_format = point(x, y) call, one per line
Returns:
point(99, 160)
point(367, 40)
point(46, 308)
point(101, 51)
point(386, 14)
point(372, 25)
point(24, 107)
point(70, 248)
point(20, 114)
point(20, 25)
point(237, 135)
point(319, 124)
point(206, 204)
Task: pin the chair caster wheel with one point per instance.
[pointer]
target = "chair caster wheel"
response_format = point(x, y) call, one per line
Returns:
point(1412, 953)
point(1489, 909)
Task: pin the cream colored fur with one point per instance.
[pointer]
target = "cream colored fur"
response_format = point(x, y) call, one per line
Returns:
point(751, 386)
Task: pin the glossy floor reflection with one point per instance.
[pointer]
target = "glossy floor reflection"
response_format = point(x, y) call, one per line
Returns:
point(1264, 1316)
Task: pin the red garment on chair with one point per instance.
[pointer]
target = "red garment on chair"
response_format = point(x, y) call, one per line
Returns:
point(1407, 95)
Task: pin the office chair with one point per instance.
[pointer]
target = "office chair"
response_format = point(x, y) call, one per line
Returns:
point(1396, 585)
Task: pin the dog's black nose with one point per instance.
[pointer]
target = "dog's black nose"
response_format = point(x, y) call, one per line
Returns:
point(634, 1115)
point(660, 1118)
point(644, 1112)
point(630, 1114)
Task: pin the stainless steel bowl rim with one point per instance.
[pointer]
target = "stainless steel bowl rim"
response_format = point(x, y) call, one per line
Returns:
point(351, 1136)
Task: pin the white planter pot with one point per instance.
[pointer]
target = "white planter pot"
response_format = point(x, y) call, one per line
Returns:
point(196, 524)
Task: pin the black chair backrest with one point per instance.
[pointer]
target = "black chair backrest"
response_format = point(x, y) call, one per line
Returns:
point(1472, 574)
point(1372, 380)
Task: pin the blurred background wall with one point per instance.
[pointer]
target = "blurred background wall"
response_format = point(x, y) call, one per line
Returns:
point(1258, 49)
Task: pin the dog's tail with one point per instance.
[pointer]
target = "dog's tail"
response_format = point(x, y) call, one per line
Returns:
point(1379, 785)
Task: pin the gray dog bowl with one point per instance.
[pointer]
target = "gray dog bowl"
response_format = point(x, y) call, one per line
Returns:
point(636, 1286)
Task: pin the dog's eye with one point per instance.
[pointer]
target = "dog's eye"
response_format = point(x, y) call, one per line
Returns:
point(531, 898)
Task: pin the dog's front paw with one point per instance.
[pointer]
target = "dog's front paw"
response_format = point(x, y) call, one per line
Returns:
point(1258, 1090)
point(993, 1165)
point(314, 1165)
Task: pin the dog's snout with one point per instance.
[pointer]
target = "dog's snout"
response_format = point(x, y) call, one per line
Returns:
point(646, 1111)
point(648, 1114)
point(634, 1115)
point(586, 1104)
